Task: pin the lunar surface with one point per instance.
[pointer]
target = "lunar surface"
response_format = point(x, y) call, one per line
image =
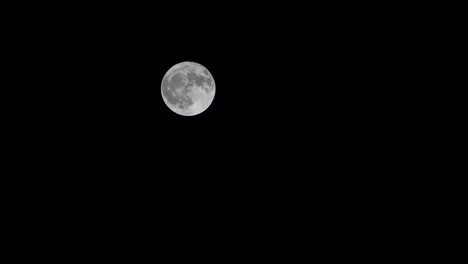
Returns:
point(188, 88)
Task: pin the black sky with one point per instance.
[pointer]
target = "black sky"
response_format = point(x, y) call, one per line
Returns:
point(312, 103)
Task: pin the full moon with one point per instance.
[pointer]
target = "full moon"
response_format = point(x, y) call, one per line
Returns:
point(188, 88)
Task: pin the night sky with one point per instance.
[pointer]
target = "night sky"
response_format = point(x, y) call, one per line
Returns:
point(314, 108)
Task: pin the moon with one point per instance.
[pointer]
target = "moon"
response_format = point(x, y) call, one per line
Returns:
point(192, 93)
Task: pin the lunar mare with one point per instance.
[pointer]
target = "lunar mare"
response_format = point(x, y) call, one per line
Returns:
point(194, 94)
